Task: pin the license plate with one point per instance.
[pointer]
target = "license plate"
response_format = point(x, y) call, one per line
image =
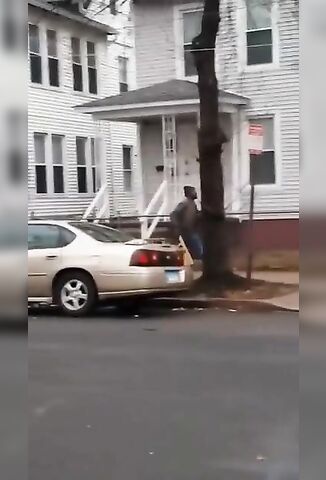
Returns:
point(175, 276)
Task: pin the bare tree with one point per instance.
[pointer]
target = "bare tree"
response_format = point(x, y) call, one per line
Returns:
point(210, 142)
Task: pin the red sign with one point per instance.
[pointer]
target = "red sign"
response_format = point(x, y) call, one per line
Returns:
point(256, 138)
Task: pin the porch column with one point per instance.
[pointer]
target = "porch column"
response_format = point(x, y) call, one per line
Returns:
point(169, 145)
point(100, 157)
point(140, 193)
point(236, 161)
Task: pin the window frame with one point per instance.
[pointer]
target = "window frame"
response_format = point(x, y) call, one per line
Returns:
point(45, 71)
point(49, 163)
point(121, 59)
point(129, 171)
point(277, 152)
point(38, 164)
point(242, 27)
point(80, 64)
point(91, 165)
point(49, 57)
point(85, 66)
point(179, 11)
point(37, 54)
point(61, 165)
point(92, 67)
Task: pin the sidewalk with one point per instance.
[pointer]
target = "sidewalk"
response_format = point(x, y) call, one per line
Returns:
point(288, 302)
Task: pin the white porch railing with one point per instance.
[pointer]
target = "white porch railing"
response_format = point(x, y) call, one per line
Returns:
point(160, 201)
point(99, 207)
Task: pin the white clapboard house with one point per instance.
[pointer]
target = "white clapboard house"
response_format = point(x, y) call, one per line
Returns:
point(257, 63)
point(79, 51)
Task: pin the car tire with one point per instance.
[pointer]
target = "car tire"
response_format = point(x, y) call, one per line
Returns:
point(75, 293)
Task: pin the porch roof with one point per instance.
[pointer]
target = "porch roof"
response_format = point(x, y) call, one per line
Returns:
point(173, 96)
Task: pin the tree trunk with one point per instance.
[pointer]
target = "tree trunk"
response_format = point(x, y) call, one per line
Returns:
point(210, 143)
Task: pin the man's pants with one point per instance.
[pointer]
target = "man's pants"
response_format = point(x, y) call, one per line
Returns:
point(194, 244)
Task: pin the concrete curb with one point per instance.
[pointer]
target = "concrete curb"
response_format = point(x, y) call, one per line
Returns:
point(223, 303)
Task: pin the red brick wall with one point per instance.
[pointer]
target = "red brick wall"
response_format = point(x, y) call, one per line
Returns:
point(271, 234)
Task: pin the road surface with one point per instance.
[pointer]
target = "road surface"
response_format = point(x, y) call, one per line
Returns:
point(168, 395)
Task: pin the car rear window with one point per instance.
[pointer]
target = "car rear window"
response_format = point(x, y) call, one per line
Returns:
point(102, 234)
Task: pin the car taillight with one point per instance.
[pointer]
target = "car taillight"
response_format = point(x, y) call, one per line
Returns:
point(152, 258)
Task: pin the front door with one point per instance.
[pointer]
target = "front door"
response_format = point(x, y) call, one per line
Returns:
point(187, 155)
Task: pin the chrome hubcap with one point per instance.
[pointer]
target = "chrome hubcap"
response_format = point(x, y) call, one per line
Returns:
point(74, 295)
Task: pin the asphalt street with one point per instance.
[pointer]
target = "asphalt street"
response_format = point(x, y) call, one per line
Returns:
point(166, 395)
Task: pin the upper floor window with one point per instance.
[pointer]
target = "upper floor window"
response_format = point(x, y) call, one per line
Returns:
point(77, 65)
point(191, 28)
point(91, 65)
point(84, 66)
point(35, 54)
point(123, 74)
point(262, 167)
point(43, 44)
point(53, 61)
point(259, 32)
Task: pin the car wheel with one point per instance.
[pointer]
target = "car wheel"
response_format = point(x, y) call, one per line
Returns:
point(75, 293)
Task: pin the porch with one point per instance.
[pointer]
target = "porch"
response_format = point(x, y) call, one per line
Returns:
point(167, 116)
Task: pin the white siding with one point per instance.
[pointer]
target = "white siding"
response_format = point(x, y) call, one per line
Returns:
point(52, 111)
point(274, 91)
point(154, 43)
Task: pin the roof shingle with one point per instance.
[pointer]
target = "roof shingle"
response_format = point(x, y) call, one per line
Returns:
point(172, 90)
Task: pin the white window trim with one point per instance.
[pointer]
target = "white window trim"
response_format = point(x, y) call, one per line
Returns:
point(179, 11)
point(43, 27)
point(49, 164)
point(242, 39)
point(89, 164)
point(127, 59)
point(84, 63)
point(277, 154)
point(131, 170)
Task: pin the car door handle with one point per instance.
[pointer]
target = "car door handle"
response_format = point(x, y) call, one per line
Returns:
point(51, 257)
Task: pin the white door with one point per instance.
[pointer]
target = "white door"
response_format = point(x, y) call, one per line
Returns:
point(187, 156)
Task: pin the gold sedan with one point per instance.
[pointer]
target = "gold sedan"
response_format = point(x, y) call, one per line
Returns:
point(76, 264)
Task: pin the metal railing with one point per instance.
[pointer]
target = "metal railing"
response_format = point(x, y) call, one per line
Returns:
point(99, 207)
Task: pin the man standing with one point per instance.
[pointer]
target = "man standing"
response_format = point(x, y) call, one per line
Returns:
point(185, 219)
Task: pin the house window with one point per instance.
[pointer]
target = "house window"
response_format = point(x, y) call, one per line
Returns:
point(191, 28)
point(259, 32)
point(91, 65)
point(113, 7)
point(57, 163)
point(123, 74)
point(53, 61)
point(86, 164)
point(49, 163)
point(35, 54)
point(77, 65)
point(93, 163)
point(262, 167)
point(40, 162)
point(81, 143)
point(127, 167)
